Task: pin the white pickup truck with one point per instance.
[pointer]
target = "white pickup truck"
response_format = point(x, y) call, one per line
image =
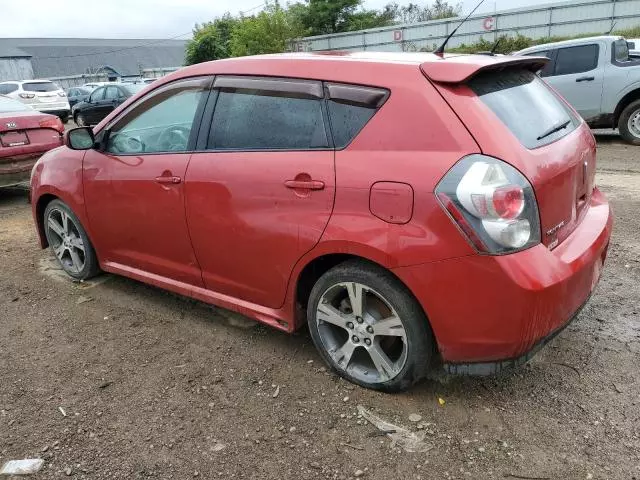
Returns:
point(598, 78)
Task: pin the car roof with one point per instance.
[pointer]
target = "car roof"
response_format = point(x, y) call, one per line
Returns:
point(378, 68)
point(566, 43)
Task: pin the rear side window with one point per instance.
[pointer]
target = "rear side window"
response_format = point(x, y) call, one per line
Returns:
point(620, 51)
point(576, 59)
point(524, 103)
point(251, 119)
point(8, 88)
point(39, 87)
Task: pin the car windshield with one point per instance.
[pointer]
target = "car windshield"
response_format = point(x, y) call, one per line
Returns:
point(39, 87)
point(10, 105)
point(524, 103)
point(133, 88)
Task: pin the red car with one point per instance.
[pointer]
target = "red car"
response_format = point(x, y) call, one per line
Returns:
point(408, 208)
point(25, 134)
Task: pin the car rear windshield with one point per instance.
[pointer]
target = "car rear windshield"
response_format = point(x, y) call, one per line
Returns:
point(39, 87)
point(524, 103)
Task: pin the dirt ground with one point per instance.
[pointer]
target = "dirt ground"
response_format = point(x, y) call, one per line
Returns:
point(113, 379)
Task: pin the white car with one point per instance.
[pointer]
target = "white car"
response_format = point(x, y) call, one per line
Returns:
point(93, 85)
point(41, 95)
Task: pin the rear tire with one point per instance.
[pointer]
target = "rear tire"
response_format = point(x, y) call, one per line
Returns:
point(629, 123)
point(385, 343)
point(69, 242)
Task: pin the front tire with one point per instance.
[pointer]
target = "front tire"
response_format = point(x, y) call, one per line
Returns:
point(80, 120)
point(69, 242)
point(629, 123)
point(368, 328)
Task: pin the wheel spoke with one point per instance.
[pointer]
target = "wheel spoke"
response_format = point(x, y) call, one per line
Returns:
point(55, 226)
point(65, 221)
point(329, 314)
point(356, 297)
point(59, 251)
point(77, 243)
point(75, 259)
point(390, 327)
point(386, 368)
point(342, 356)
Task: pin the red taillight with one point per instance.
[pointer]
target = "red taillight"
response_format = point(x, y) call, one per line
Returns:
point(54, 123)
point(26, 95)
point(492, 203)
point(508, 201)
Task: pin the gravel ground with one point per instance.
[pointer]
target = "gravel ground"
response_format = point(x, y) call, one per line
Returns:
point(112, 379)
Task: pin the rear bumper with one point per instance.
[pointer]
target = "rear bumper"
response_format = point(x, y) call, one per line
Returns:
point(17, 170)
point(496, 311)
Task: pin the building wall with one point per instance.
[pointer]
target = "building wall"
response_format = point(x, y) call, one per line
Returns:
point(544, 20)
point(15, 69)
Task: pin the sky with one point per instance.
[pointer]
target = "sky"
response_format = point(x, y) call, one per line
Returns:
point(149, 18)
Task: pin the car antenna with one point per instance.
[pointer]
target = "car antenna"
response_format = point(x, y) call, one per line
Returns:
point(440, 49)
point(495, 46)
point(611, 29)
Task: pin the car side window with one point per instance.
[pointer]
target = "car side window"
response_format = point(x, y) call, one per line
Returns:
point(8, 88)
point(162, 121)
point(255, 113)
point(112, 93)
point(97, 95)
point(577, 59)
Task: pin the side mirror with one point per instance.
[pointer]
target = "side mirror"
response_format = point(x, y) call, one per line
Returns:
point(80, 138)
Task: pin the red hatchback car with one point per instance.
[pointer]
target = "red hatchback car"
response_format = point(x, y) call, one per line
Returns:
point(25, 134)
point(407, 207)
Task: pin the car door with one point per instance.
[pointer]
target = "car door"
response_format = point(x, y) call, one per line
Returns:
point(90, 111)
point(112, 98)
point(134, 182)
point(578, 78)
point(260, 195)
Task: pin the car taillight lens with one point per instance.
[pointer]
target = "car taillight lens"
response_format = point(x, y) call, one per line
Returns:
point(54, 123)
point(26, 95)
point(492, 203)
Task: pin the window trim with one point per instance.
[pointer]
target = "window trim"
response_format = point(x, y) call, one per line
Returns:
point(102, 137)
point(274, 84)
point(338, 94)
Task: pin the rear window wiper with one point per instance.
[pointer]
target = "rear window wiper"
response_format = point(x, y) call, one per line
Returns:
point(554, 129)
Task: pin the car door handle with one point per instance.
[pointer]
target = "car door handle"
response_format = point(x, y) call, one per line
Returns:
point(168, 179)
point(305, 184)
point(585, 79)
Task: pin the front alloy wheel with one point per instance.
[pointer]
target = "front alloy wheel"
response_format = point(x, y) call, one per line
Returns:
point(369, 328)
point(69, 242)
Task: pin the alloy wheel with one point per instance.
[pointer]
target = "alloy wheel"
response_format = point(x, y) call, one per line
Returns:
point(634, 123)
point(362, 333)
point(66, 241)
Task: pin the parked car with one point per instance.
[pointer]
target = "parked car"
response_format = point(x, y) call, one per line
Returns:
point(102, 101)
point(42, 95)
point(77, 94)
point(598, 78)
point(400, 205)
point(25, 134)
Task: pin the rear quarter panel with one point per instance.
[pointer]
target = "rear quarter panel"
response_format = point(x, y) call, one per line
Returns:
point(413, 139)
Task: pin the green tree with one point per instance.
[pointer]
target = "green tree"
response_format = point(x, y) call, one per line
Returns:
point(328, 16)
point(211, 40)
point(270, 31)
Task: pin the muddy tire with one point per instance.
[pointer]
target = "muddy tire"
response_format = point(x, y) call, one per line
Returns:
point(368, 327)
point(629, 123)
point(69, 242)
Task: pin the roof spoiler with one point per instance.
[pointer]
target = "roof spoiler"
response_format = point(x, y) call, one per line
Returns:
point(460, 68)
